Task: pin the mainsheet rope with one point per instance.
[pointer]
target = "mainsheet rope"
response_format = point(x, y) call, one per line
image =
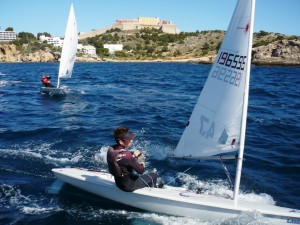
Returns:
point(178, 176)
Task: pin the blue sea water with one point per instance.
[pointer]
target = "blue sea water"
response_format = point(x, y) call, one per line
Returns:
point(38, 133)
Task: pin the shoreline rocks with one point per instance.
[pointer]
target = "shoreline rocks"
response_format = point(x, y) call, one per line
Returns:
point(283, 53)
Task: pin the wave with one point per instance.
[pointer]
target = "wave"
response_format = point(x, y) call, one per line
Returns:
point(13, 198)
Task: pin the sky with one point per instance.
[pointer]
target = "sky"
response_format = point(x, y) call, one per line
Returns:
point(37, 16)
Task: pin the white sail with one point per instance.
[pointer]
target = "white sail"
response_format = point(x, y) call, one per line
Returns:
point(215, 126)
point(69, 49)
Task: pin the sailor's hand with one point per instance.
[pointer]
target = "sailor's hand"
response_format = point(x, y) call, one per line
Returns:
point(142, 164)
point(138, 154)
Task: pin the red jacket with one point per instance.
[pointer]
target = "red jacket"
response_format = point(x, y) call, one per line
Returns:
point(46, 81)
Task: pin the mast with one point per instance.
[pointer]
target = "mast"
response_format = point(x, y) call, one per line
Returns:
point(245, 109)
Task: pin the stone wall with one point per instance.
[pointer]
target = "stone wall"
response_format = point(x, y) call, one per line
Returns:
point(136, 24)
point(93, 33)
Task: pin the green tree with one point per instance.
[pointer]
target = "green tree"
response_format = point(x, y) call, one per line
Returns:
point(98, 44)
point(9, 29)
point(177, 53)
point(102, 51)
point(107, 38)
point(279, 38)
point(127, 48)
point(205, 52)
point(138, 47)
point(206, 46)
point(44, 33)
point(262, 33)
point(149, 49)
point(26, 37)
point(218, 46)
point(113, 30)
point(120, 54)
point(165, 49)
point(116, 38)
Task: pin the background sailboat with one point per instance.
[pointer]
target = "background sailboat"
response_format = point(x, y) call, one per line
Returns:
point(216, 127)
point(68, 55)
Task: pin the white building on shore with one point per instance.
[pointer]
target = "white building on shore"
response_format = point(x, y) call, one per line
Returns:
point(8, 36)
point(58, 42)
point(113, 47)
point(87, 49)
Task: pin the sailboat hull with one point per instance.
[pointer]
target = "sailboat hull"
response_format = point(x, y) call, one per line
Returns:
point(170, 200)
point(52, 91)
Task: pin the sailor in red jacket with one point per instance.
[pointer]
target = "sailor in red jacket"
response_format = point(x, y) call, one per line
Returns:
point(46, 81)
point(122, 163)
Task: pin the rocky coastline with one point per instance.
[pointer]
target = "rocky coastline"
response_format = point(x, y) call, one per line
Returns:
point(283, 52)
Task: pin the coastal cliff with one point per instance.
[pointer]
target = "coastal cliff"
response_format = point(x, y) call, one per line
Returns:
point(285, 52)
point(268, 49)
point(10, 53)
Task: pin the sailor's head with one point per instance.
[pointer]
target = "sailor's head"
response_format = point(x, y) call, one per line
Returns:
point(123, 136)
point(44, 76)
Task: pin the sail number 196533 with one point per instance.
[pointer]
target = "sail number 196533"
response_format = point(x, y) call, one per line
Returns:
point(232, 60)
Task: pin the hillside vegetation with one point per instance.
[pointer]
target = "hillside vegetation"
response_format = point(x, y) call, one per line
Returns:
point(152, 44)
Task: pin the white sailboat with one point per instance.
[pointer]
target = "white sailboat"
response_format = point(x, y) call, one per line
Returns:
point(217, 126)
point(68, 55)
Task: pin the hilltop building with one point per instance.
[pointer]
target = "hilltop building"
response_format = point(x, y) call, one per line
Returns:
point(136, 24)
point(146, 22)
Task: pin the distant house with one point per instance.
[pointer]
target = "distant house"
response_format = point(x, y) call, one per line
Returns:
point(87, 49)
point(113, 47)
point(8, 36)
point(56, 41)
